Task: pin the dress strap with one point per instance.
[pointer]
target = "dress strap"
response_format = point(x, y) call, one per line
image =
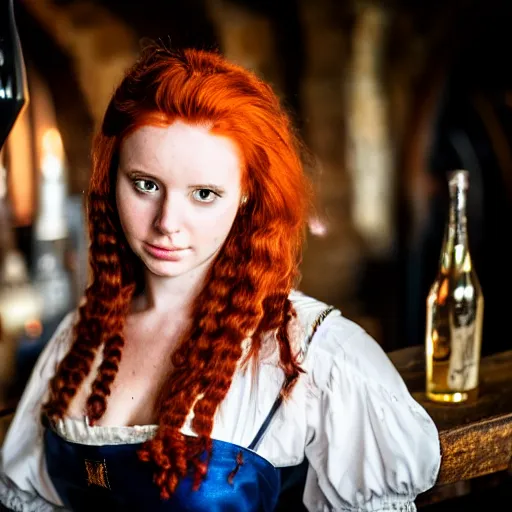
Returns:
point(275, 406)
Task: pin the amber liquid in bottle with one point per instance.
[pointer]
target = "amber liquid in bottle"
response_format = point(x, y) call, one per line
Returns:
point(455, 307)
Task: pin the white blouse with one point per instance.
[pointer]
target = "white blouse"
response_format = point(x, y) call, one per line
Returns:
point(369, 444)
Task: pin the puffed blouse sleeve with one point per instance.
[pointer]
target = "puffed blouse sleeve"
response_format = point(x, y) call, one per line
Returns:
point(371, 446)
point(24, 482)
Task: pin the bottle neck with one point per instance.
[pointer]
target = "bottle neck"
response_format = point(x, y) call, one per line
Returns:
point(455, 253)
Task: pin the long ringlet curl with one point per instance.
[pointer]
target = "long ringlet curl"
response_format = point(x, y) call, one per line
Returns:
point(245, 295)
point(101, 316)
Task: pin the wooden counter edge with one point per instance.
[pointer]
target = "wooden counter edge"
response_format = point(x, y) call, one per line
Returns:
point(476, 449)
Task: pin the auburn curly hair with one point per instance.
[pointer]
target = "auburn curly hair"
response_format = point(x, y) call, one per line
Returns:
point(245, 294)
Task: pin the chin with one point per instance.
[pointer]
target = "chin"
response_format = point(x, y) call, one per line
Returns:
point(168, 269)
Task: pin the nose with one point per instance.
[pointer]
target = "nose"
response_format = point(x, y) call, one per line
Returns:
point(169, 216)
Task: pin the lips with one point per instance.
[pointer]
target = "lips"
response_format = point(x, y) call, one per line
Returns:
point(165, 253)
point(160, 248)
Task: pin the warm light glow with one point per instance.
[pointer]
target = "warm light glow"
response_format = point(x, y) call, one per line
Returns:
point(317, 227)
point(443, 292)
point(53, 154)
point(3, 176)
point(20, 171)
point(33, 328)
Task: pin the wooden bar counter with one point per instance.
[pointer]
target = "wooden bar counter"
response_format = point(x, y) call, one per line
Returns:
point(476, 438)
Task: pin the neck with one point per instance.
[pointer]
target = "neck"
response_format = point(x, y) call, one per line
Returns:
point(172, 294)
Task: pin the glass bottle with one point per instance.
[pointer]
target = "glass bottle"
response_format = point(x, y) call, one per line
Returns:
point(13, 80)
point(455, 307)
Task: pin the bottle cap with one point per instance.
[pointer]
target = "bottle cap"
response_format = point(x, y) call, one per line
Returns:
point(458, 178)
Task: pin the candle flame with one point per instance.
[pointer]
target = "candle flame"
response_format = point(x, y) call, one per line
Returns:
point(53, 153)
point(52, 142)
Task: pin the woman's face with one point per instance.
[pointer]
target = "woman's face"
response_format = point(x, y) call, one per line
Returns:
point(178, 191)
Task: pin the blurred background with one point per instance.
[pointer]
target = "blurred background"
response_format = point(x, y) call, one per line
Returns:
point(387, 96)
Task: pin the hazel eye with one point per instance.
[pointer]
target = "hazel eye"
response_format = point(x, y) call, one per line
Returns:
point(145, 186)
point(204, 195)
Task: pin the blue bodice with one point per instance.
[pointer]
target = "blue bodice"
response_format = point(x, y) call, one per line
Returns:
point(111, 477)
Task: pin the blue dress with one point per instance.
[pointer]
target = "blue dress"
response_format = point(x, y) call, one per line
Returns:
point(112, 476)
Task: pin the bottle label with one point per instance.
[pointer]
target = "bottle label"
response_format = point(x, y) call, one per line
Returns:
point(463, 366)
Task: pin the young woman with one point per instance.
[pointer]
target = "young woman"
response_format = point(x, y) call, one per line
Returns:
point(194, 376)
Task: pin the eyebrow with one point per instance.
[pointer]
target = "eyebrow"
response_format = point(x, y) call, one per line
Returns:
point(211, 186)
point(135, 172)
